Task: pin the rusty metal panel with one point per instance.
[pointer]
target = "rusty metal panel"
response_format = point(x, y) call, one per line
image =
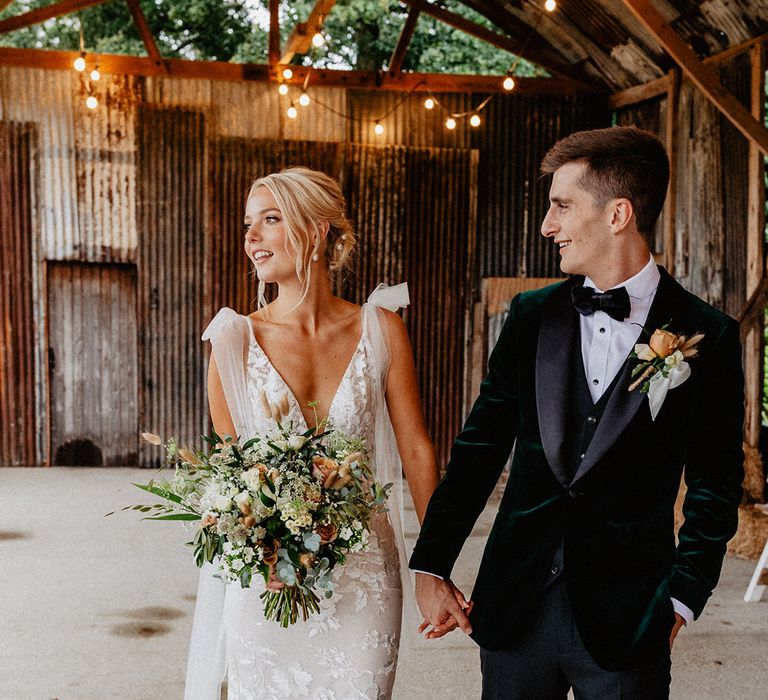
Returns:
point(171, 222)
point(17, 327)
point(92, 358)
point(734, 150)
point(512, 198)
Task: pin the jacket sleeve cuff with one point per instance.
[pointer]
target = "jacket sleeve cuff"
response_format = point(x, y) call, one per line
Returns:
point(683, 610)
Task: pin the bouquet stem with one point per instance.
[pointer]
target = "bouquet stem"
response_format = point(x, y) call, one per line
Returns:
point(284, 605)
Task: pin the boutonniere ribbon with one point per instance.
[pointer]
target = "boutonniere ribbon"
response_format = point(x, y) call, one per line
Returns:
point(663, 365)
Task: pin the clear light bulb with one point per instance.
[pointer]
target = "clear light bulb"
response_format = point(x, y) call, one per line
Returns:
point(429, 103)
point(92, 102)
point(450, 123)
point(292, 112)
point(95, 75)
point(378, 129)
point(474, 120)
point(283, 89)
point(550, 5)
point(79, 64)
point(508, 83)
point(318, 40)
point(287, 74)
point(304, 99)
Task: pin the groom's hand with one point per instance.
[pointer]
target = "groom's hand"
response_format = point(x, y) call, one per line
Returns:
point(443, 606)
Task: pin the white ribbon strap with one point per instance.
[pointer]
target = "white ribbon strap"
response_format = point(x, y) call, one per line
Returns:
point(391, 298)
point(224, 316)
point(660, 385)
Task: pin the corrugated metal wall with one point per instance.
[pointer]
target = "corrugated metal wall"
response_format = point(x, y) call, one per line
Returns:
point(157, 177)
point(171, 215)
point(17, 339)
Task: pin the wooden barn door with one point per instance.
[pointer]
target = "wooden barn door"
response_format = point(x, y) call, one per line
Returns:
point(92, 358)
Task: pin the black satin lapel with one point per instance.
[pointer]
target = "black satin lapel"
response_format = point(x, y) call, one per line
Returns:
point(624, 404)
point(558, 325)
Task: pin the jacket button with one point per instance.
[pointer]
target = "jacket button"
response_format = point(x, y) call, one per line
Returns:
point(592, 420)
point(555, 569)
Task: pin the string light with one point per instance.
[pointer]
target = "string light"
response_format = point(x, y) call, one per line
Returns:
point(450, 123)
point(378, 129)
point(304, 99)
point(292, 112)
point(287, 74)
point(79, 63)
point(283, 89)
point(508, 83)
point(429, 103)
point(550, 5)
point(474, 120)
point(318, 40)
point(92, 102)
point(95, 75)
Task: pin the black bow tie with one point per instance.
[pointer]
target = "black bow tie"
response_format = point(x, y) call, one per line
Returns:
point(615, 302)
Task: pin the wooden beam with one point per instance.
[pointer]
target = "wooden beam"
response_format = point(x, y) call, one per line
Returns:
point(670, 134)
point(398, 55)
point(4, 4)
point(256, 72)
point(639, 93)
point(753, 346)
point(301, 37)
point(501, 41)
point(702, 75)
point(40, 15)
point(754, 309)
point(146, 33)
point(274, 35)
point(656, 87)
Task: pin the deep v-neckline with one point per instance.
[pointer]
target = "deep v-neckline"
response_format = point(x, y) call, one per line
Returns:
point(291, 394)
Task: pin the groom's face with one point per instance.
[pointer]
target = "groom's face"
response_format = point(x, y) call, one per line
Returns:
point(577, 225)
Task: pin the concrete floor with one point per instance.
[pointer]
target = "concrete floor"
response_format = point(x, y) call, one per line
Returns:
point(96, 607)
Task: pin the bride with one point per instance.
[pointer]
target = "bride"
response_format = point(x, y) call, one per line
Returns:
point(355, 366)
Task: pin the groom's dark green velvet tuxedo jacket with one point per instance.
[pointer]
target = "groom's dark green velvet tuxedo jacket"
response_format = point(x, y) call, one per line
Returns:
point(614, 517)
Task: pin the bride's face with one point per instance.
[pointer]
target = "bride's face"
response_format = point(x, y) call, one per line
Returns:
point(266, 243)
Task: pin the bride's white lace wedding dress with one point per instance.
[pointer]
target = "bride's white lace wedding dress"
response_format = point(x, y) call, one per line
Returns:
point(349, 650)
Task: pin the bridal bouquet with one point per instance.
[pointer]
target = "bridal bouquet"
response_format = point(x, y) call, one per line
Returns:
point(286, 505)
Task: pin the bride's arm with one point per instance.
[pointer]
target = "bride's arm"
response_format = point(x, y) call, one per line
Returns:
point(404, 404)
point(217, 402)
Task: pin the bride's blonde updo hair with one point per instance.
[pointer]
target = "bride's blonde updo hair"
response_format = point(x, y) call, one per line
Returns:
point(306, 197)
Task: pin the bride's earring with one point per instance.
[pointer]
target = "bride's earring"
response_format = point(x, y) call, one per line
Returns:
point(315, 257)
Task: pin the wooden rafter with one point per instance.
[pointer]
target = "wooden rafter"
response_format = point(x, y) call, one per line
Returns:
point(301, 37)
point(145, 32)
point(658, 86)
point(398, 55)
point(4, 4)
point(670, 131)
point(274, 35)
point(514, 45)
point(42, 14)
point(704, 77)
point(220, 70)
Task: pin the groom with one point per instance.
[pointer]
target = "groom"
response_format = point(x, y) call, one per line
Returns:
point(582, 584)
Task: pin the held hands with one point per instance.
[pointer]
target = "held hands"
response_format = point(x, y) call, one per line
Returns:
point(443, 606)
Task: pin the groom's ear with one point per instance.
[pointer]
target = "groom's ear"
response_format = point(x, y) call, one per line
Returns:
point(622, 214)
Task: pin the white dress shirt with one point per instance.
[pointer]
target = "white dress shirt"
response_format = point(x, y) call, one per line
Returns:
point(606, 342)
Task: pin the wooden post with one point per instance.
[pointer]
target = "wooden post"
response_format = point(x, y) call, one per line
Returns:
point(673, 100)
point(753, 347)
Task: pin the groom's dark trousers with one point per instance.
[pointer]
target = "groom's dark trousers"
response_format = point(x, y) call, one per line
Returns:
point(590, 495)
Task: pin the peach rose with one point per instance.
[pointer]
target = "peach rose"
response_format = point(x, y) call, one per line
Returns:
point(270, 552)
point(328, 533)
point(208, 519)
point(323, 466)
point(307, 560)
point(663, 342)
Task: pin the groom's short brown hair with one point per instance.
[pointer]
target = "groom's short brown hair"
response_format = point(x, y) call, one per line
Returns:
point(622, 161)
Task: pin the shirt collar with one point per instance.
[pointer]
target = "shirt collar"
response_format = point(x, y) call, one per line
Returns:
point(639, 286)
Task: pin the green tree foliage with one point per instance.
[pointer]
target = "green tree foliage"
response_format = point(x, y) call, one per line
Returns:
point(360, 34)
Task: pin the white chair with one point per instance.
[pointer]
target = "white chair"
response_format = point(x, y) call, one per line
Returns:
point(760, 577)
